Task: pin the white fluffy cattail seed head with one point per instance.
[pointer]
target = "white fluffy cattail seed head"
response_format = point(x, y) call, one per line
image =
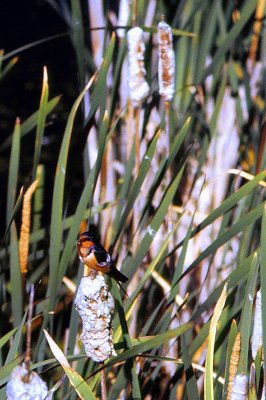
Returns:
point(166, 67)
point(138, 87)
point(95, 306)
point(25, 387)
point(240, 387)
point(256, 340)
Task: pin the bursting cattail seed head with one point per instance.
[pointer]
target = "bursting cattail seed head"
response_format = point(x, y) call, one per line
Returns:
point(95, 306)
point(166, 67)
point(240, 387)
point(256, 340)
point(24, 385)
point(138, 86)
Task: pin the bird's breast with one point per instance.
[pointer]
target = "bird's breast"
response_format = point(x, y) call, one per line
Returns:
point(92, 263)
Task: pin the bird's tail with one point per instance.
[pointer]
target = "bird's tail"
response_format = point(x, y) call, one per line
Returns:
point(117, 275)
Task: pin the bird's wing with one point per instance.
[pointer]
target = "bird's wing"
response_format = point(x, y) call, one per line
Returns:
point(102, 256)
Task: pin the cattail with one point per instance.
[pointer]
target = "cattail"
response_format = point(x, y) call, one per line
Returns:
point(123, 16)
point(26, 385)
point(166, 67)
point(25, 228)
point(240, 387)
point(138, 87)
point(256, 340)
point(234, 360)
point(95, 306)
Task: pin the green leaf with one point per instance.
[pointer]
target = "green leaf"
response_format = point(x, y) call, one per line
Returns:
point(6, 370)
point(13, 352)
point(149, 342)
point(13, 171)
point(43, 111)
point(246, 12)
point(31, 122)
point(81, 387)
point(263, 280)
point(56, 228)
point(245, 221)
point(208, 377)
point(246, 316)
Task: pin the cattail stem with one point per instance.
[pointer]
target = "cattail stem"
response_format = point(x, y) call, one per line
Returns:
point(134, 13)
point(28, 336)
point(103, 384)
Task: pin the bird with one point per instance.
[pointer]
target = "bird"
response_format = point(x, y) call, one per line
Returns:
point(93, 255)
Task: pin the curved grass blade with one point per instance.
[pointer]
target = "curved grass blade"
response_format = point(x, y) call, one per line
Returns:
point(41, 122)
point(81, 387)
point(208, 377)
point(5, 372)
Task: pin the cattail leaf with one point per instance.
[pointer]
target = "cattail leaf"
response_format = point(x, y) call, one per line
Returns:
point(98, 97)
point(29, 124)
point(78, 38)
point(235, 278)
point(81, 387)
point(228, 203)
point(13, 352)
point(156, 220)
point(85, 199)
point(208, 379)
point(246, 12)
point(148, 343)
point(246, 316)
point(6, 370)
point(4, 339)
point(191, 382)
point(15, 277)
point(263, 280)
point(136, 186)
point(13, 171)
point(56, 228)
point(238, 227)
point(8, 67)
point(41, 122)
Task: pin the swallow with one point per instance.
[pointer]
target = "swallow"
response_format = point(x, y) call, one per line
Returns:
point(93, 255)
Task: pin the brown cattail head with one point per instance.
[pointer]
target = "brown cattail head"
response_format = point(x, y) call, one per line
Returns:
point(166, 67)
point(138, 87)
point(234, 361)
point(95, 306)
point(25, 385)
point(25, 228)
